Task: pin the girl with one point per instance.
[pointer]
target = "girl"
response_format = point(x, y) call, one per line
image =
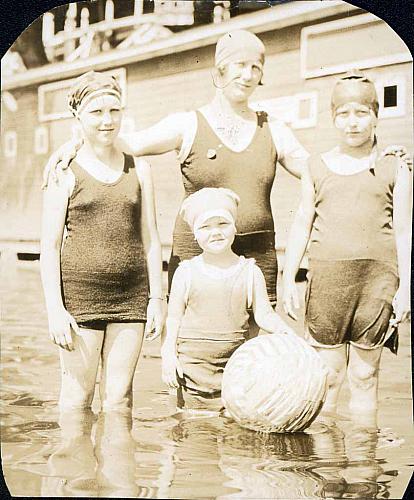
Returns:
point(97, 283)
point(210, 294)
point(356, 211)
point(225, 144)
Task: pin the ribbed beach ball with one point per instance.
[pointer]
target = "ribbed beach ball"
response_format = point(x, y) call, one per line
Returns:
point(274, 383)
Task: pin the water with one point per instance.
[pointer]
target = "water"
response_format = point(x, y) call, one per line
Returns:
point(156, 453)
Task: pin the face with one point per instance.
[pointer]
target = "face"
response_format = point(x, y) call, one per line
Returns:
point(216, 235)
point(240, 79)
point(101, 119)
point(356, 124)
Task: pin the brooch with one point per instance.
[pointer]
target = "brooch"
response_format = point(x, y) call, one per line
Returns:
point(211, 154)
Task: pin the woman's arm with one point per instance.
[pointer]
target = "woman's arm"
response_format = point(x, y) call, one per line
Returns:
point(266, 318)
point(55, 202)
point(169, 134)
point(297, 242)
point(176, 308)
point(152, 247)
point(402, 204)
point(166, 135)
point(290, 152)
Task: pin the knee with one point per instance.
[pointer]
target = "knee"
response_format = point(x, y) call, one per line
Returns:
point(335, 376)
point(363, 377)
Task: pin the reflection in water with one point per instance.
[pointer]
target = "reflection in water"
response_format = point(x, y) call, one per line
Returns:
point(159, 455)
point(95, 457)
point(72, 467)
point(323, 462)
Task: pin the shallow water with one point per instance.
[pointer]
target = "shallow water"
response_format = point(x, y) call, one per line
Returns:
point(160, 454)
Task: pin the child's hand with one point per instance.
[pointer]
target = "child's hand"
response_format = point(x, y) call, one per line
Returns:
point(61, 324)
point(283, 328)
point(290, 299)
point(170, 367)
point(155, 318)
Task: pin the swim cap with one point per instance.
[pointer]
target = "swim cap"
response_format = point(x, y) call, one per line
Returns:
point(209, 202)
point(238, 46)
point(90, 85)
point(354, 87)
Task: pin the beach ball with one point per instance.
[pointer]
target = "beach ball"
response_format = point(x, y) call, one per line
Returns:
point(274, 383)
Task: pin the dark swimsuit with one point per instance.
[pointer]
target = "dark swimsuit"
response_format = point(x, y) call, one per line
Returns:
point(103, 265)
point(249, 173)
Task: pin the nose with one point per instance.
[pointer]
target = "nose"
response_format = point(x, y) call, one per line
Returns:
point(107, 118)
point(216, 231)
point(352, 119)
point(247, 72)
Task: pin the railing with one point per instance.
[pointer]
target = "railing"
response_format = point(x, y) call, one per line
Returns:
point(78, 42)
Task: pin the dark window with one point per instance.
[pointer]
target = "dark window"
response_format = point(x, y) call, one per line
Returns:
point(390, 96)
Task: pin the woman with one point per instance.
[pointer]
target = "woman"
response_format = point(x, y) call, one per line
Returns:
point(356, 212)
point(224, 144)
point(97, 283)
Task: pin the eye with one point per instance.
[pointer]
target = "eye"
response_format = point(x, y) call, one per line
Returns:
point(362, 113)
point(95, 111)
point(223, 223)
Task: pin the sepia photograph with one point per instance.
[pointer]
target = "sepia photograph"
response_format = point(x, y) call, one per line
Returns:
point(205, 250)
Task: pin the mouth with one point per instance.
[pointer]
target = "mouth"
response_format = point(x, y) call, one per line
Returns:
point(243, 85)
point(106, 130)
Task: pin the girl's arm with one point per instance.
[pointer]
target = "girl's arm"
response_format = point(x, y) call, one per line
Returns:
point(152, 247)
point(176, 308)
point(298, 239)
point(266, 318)
point(55, 203)
point(402, 204)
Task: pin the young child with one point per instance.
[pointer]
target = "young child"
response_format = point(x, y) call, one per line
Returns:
point(208, 307)
point(356, 211)
point(97, 280)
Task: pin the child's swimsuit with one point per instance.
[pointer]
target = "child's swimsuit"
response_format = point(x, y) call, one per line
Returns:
point(352, 275)
point(103, 266)
point(249, 173)
point(214, 325)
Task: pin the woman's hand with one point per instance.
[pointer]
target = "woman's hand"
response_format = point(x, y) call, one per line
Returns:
point(290, 299)
point(155, 318)
point(61, 158)
point(400, 152)
point(401, 306)
point(170, 367)
point(61, 324)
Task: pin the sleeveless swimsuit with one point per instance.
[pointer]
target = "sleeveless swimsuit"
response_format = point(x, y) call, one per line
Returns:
point(214, 325)
point(103, 266)
point(352, 276)
point(249, 173)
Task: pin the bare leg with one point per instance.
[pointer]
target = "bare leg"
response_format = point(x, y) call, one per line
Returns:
point(120, 353)
point(363, 370)
point(79, 368)
point(335, 360)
